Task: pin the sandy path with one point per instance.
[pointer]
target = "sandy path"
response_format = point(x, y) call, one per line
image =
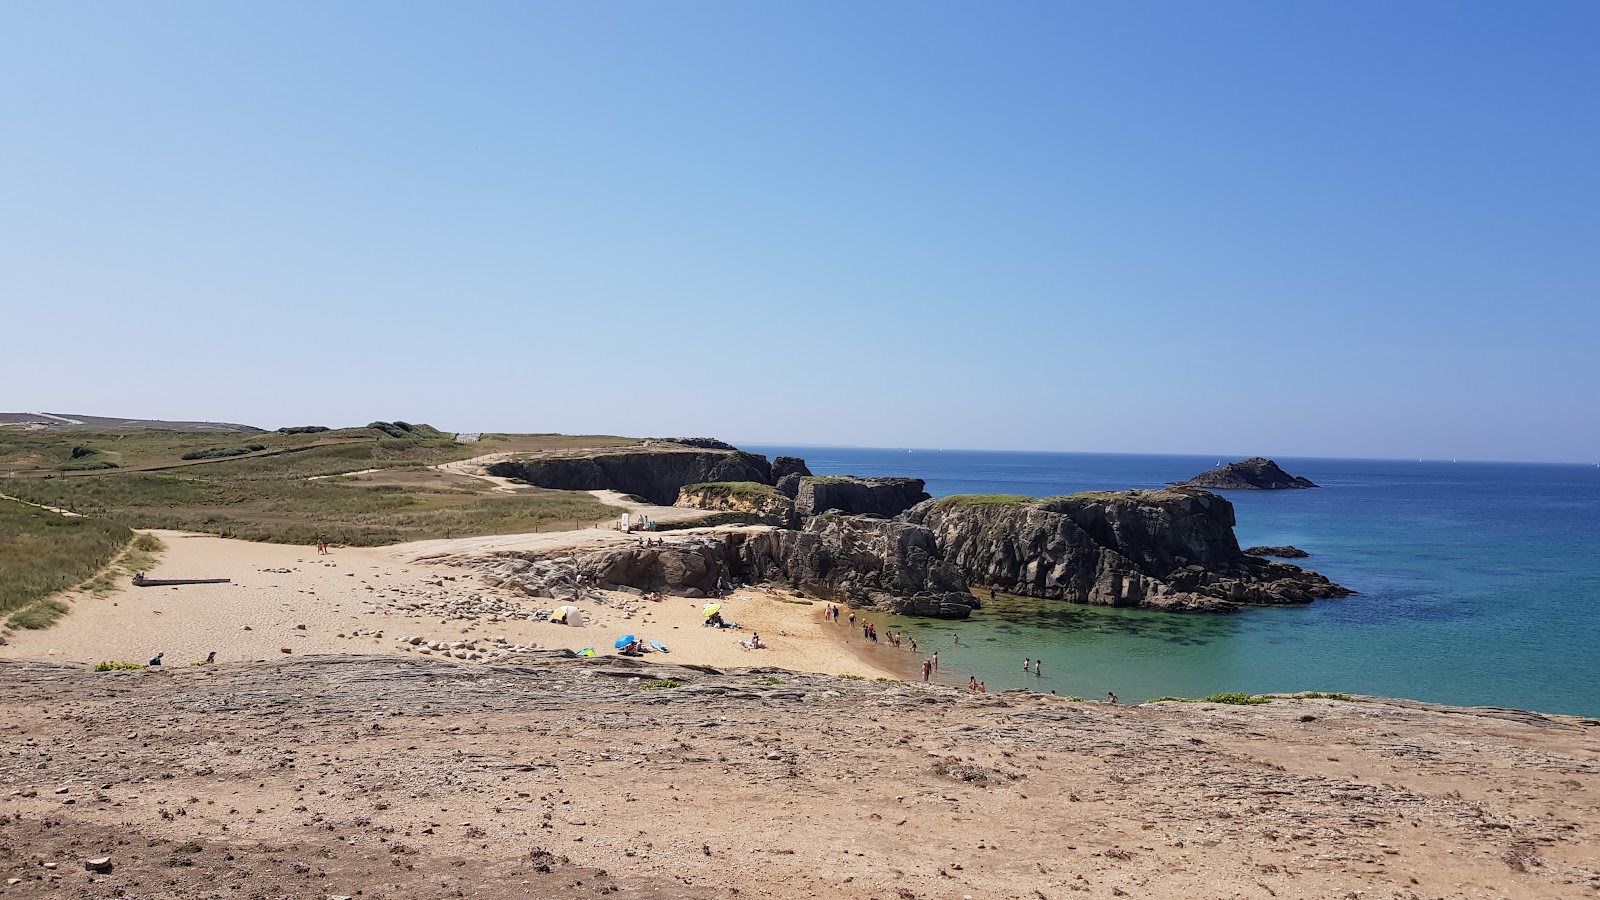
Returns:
point(360, 600)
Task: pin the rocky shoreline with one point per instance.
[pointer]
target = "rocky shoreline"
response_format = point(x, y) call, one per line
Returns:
point(884, 543)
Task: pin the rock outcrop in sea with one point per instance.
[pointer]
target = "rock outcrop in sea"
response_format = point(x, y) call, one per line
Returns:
point(1284, 552)
point(1169, 549)
point(1254, 474)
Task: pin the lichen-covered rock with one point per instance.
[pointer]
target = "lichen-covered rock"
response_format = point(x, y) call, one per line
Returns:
point(656, 475)
point(1169, 549)
point(1254, 474)
point(854, 496)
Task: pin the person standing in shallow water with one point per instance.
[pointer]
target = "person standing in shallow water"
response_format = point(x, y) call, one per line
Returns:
point(927, 669)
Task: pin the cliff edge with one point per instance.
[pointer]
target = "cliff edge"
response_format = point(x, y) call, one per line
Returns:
point(1170, 549)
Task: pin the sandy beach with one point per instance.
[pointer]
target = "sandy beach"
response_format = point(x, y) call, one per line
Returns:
point(367, 600)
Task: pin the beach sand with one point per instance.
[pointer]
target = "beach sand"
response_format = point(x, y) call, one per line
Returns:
point(354, 600)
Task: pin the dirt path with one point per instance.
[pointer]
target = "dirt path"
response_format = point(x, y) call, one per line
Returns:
point(405, 777)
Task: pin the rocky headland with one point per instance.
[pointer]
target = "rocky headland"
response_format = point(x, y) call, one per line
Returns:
point(1170, 549)
point(1254, 474)
point(884, 543)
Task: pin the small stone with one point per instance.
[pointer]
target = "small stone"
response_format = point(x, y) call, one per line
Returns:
point(101, 865)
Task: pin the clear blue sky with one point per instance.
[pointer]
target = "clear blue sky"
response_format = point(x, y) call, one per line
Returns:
point(1329, 229)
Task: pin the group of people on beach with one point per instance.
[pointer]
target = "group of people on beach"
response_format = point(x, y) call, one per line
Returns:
point(930, 666)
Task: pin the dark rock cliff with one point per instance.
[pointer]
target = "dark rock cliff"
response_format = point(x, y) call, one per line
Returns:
point(887, 497)
point(1169, 549)
point(657, 476)
point(894, 566)
point(863, 562)
point(788, 465)
point(1254, 474)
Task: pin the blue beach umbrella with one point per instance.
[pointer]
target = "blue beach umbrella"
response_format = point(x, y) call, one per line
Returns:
point(625, 640)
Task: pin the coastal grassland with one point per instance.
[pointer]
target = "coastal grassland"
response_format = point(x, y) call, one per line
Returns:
point(260, 504)
point(955, 501)
point(42, 553)
point(302, 484)
point(140, 556)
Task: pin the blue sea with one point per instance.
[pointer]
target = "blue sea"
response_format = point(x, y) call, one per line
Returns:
point(1479, 584)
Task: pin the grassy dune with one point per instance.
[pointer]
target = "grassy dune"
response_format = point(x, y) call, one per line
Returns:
point(42, 553)
point(270, 495)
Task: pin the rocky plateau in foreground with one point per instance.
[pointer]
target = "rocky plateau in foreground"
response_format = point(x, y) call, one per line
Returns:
point(542, 775)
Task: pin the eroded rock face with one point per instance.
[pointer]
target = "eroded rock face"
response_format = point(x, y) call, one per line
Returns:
point(894, 566)
point(764, 503)
point(859, 561)
point(788, 465)
point(657, 476)
point(1169, 549)
point(1254, 474)
point(853, 496)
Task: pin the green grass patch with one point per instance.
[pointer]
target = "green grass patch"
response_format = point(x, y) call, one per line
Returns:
point(662, 685)
point(42, 553)
point(1236, 698)
point(1232, 698)
point(221, 452)
point(1319, 695)
point(114, 666)
point(39, 614)
point(769, 681)
point(745, 490)
point(958, 501)
point(853, 677)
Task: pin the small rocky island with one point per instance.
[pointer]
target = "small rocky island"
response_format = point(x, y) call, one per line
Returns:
point(1284, 552)
point(1254, 474)
point(884, 543)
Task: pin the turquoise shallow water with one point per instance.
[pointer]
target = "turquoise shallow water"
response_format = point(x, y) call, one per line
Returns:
point(1479, 584)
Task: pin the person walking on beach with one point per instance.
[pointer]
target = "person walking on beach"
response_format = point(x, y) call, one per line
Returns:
point(322, 545)
point(927, 669)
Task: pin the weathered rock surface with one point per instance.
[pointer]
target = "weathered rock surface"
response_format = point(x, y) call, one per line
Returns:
point(764, 503)
point(860, 561)
point(783, 466)
point(656, 475)
point(1284, 552)
point(1169, 549)
point(853, 496)
point(1254, 474)
point(894, 566)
